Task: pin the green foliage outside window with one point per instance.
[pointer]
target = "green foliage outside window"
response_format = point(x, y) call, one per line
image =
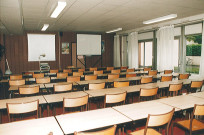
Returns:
point(193, 50)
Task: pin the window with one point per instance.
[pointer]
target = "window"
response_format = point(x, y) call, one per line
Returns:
point(145, 53)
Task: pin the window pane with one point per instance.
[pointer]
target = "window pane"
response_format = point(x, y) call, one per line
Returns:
point(193, 53)
point(148, 53)
point(141, 46)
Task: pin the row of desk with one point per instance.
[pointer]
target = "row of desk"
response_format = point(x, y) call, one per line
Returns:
point(82, 121)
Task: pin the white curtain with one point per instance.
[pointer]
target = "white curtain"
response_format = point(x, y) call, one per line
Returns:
point(124, 51)
point(165, 41)
point(116, 53)
point(201, 72)
point(133, 50)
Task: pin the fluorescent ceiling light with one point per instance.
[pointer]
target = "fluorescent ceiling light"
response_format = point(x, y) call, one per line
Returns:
point(118, 29)
point(45, 27)
point(58, 9)
point(160, 19)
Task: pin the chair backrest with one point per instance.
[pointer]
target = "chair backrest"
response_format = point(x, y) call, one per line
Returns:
point(62, 75)
point(166, 78)
point(130, 70)
point(29, 90)
point(146, 92)
point(43, 80)
point(39, 75)
point(152, 72)
point(77, 73)
point(121, 84)
point(16, 77)
point(115, 98)
point(183, 76)
point(196, 84)
point(62, 87)
point(98, 72)
point(70, 67)
point(175, 87)
point(147, 69)
point(75, 102)
point(94, 86)
point(90, 77)
point(123, 68)
point(109, 131)
point(54, 71)
point(81, 70)
point(93, 69)
point(168, 71)
point(16, 82)
point(21, 108)
point(113, 76)
point(148, 79)
point(67, 70)
point(73, 78)
point(131, 75)
point(109, 68)
point(115, 71)
point(156, 120)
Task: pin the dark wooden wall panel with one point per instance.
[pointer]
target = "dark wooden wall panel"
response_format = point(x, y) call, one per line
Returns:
point(17, 52)
point(2, 62)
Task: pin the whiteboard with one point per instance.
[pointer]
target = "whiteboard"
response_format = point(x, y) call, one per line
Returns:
point(88, 44)
point(41, 44)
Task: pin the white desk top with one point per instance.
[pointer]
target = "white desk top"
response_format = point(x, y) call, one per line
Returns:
point(42, 126)
point(103, 92)
point(51, 85)
point(59, 97)
point(198, 94)
point(12, 88)
point(20, 100)
point(91, 81)
point(183, 102)
point(141, 110)
point(90, 120)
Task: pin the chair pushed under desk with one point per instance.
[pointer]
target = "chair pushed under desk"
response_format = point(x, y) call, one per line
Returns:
point(148, 93)
point(29, 90)
point(95, 86)
point(61, 87)
point(195, 86)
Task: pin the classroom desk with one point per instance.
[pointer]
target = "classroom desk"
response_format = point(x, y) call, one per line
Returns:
point(42, 126)
point(141, 110)
point(183, 102)
point(88, 120)
point(51, 85)
point(198, 94)
point(103, 92)
point(15, 88)
point(3, 102)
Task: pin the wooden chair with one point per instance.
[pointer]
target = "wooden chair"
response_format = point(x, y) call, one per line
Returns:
point(93, 69)
point(121, 68)
point(81, 70)
point(67, 70)
point(62, 75)
point(62, 87)
point(70, 67)
point(73, 78)
point(98, 72)
point(94, 86)
point(121, 84)
point(174, 89)
point(117, 71)
point(195, 86)
point(152, 72)
point(156, 120)
point(148, 93)
point(131, 75)
point(183, 76)
point(81, 102)
point(192, 126)
point(39, 75)
point(113, 76)
point(54, 71)
point(16, 77)
point(108, 131)
point(109, 68)
point(168, 71)
point(147, 69)
point(77, 73)
point(14, 109)
point(29, 90)
point(148, 79)
point(118, 98)
point(43, 80)
point(166, 78)
point(16, 82)
point(130, 70)
point(90, 77)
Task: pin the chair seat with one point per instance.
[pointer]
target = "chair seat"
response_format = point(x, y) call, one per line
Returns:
point(150, 131)
point(196, 125)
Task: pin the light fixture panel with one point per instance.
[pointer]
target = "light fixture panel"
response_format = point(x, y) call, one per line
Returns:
point(171, 16)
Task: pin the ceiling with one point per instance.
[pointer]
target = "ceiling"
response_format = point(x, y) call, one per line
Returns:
point(17, 16)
